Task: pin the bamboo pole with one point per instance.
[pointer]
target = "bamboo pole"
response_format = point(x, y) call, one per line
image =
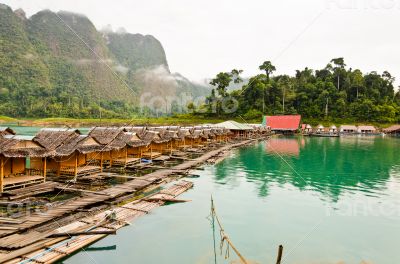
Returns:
point(1, 173)
point(101, 162)
point(76, 166)
point(126, 155)
point(44, 169)
point(225, 236)
point(280, 251)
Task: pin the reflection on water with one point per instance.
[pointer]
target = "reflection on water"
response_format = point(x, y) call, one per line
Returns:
point(329, 166)
point(284, 146)
point(336, 200)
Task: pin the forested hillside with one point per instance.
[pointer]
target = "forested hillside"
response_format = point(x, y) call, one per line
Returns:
point(60, 65)
point(336, 92)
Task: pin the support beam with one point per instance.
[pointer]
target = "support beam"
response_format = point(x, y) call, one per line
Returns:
point(44, 169)
point(126, 155)
point(76, 166)
point(101, 162)
point(1, 173)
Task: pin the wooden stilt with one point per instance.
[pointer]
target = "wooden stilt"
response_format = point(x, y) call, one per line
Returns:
point(126, 155)
point(44, 169)
point(1, 173)
point(101, 162)
point(76, 166)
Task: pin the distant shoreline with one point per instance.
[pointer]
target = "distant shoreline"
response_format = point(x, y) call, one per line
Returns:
point(172, 120)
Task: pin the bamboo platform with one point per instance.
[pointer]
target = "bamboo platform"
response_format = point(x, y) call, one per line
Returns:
point(151, 155)
point(30, 190)
point(162, 158)
point(125, 162)
point(38, 247)
point(81, 171)
point(21, 181)
point(36, 238)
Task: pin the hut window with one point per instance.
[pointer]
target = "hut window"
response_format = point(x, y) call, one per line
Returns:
point(28, 162)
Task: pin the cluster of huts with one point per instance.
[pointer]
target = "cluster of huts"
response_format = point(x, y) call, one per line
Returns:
point(66, 152)
point(307, 129)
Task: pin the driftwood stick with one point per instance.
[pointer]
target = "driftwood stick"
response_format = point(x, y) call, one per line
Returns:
point(86, 233)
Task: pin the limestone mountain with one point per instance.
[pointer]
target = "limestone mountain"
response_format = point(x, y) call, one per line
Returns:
point(59, 64)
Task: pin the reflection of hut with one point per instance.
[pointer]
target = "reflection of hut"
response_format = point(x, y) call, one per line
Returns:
point(77, 157)
point(366, 129)
point(320, 129)
point(333, 129)
point(283, 146)
point(348, 129)
point(6, 131)
point(392, 130)
point(22, 162)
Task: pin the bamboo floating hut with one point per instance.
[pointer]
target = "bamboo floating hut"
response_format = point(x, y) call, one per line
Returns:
point(196, 138)
point(126, 149)
point(22, 162)
point(155, 144)
point(183, 140)
point(80, 156)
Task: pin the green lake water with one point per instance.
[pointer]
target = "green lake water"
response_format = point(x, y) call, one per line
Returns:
point(326, 200)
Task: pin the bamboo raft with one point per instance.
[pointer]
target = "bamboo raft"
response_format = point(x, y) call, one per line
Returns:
point(33, 235)
point(42, 247)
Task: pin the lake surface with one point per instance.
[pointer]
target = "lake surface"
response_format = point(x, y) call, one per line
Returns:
point(32, 130)
point(326, 200)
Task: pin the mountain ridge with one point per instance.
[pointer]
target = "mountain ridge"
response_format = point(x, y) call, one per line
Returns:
point(59, 65)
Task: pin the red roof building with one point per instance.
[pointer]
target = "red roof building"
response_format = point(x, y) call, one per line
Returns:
point(288, 123)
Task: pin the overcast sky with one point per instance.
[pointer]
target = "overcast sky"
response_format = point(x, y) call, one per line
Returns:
point(202, 38)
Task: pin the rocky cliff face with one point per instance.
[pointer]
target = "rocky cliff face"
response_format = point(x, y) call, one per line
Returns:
point(59, 64)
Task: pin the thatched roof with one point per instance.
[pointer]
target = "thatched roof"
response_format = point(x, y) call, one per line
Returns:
point(139, 130)
point(196, 134)
point(208, 133)
point(81, 143)
point(12, 146)
point(52, 138)
point(126, 139)
point(6, 131)
point(170, 135)
point(153, 136)
point(105, 135)
point(218, 131)
point(391, 129)
point(183, 132)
